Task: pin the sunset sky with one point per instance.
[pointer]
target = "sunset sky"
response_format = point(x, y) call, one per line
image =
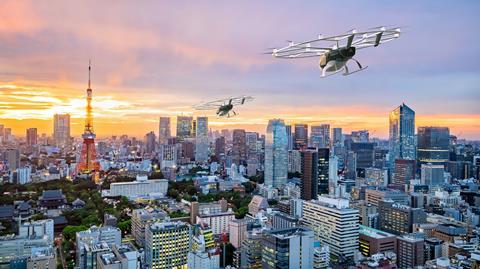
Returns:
point(157, 58)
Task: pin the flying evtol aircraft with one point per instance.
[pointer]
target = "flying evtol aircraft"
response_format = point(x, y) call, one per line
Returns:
point(224, 106)
point(334, 57)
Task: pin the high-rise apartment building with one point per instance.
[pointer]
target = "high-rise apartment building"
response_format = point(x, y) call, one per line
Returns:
point(334, 223)
point(164, 132)
point(276, 154)
point(31, 137)
point(61, 129)
point(402, 134)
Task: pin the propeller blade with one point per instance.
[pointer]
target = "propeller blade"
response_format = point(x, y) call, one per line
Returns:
point(378, 38)
point(350, 40)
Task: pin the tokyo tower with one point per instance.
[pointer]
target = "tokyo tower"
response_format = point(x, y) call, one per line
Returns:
point(88, 158)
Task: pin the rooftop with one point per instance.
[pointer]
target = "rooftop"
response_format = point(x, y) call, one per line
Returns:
point(371, 232)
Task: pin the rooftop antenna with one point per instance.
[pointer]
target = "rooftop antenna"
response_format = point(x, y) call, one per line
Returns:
point(89, 68)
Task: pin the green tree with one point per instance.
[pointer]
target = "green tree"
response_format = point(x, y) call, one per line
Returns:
point(70, 231)
point(125, 226)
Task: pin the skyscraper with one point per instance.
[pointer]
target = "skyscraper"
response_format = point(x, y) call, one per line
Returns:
point(276, 153)
point(309, 183)
point(251, 139)
point(164, 130)
point(2, 133)
point(61, 129)
point(301, 136)
point(184, 127)
point(320, 136)
point(8, 134)
point(220, 147)
point(12, 156)
point(201, 140)
point(337, 137)
point(364, 153)
point(288, 128)
point(402, 134)
point(31, 136)
point(433, 145)
point(239, 148)
point(150, 144)
point(323, 170)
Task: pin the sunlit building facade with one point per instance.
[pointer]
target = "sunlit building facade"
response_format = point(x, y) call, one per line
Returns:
point(402, 134)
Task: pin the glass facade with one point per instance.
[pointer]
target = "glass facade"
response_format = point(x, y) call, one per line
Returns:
point(402, 134)
point(276, 153)
point(433, 145)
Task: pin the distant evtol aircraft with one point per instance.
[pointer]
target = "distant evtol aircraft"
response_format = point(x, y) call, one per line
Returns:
point(224, 106)
point(334, 57)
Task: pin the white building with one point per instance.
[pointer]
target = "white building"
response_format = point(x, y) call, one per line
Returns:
point(37, 228)
point(202, 260)
point(334, 223)
point(13, 246)
point(237, 231)
point(140, 188)
point(24, 175)
point(168, 156)
point(218, 222)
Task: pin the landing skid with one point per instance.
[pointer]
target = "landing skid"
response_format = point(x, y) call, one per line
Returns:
point(347, 73)
point(360, 68)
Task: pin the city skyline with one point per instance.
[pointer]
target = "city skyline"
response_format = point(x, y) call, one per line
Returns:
point(141, 76)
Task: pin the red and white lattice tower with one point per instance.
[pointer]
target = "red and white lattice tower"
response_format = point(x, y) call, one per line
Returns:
point(88, 158)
